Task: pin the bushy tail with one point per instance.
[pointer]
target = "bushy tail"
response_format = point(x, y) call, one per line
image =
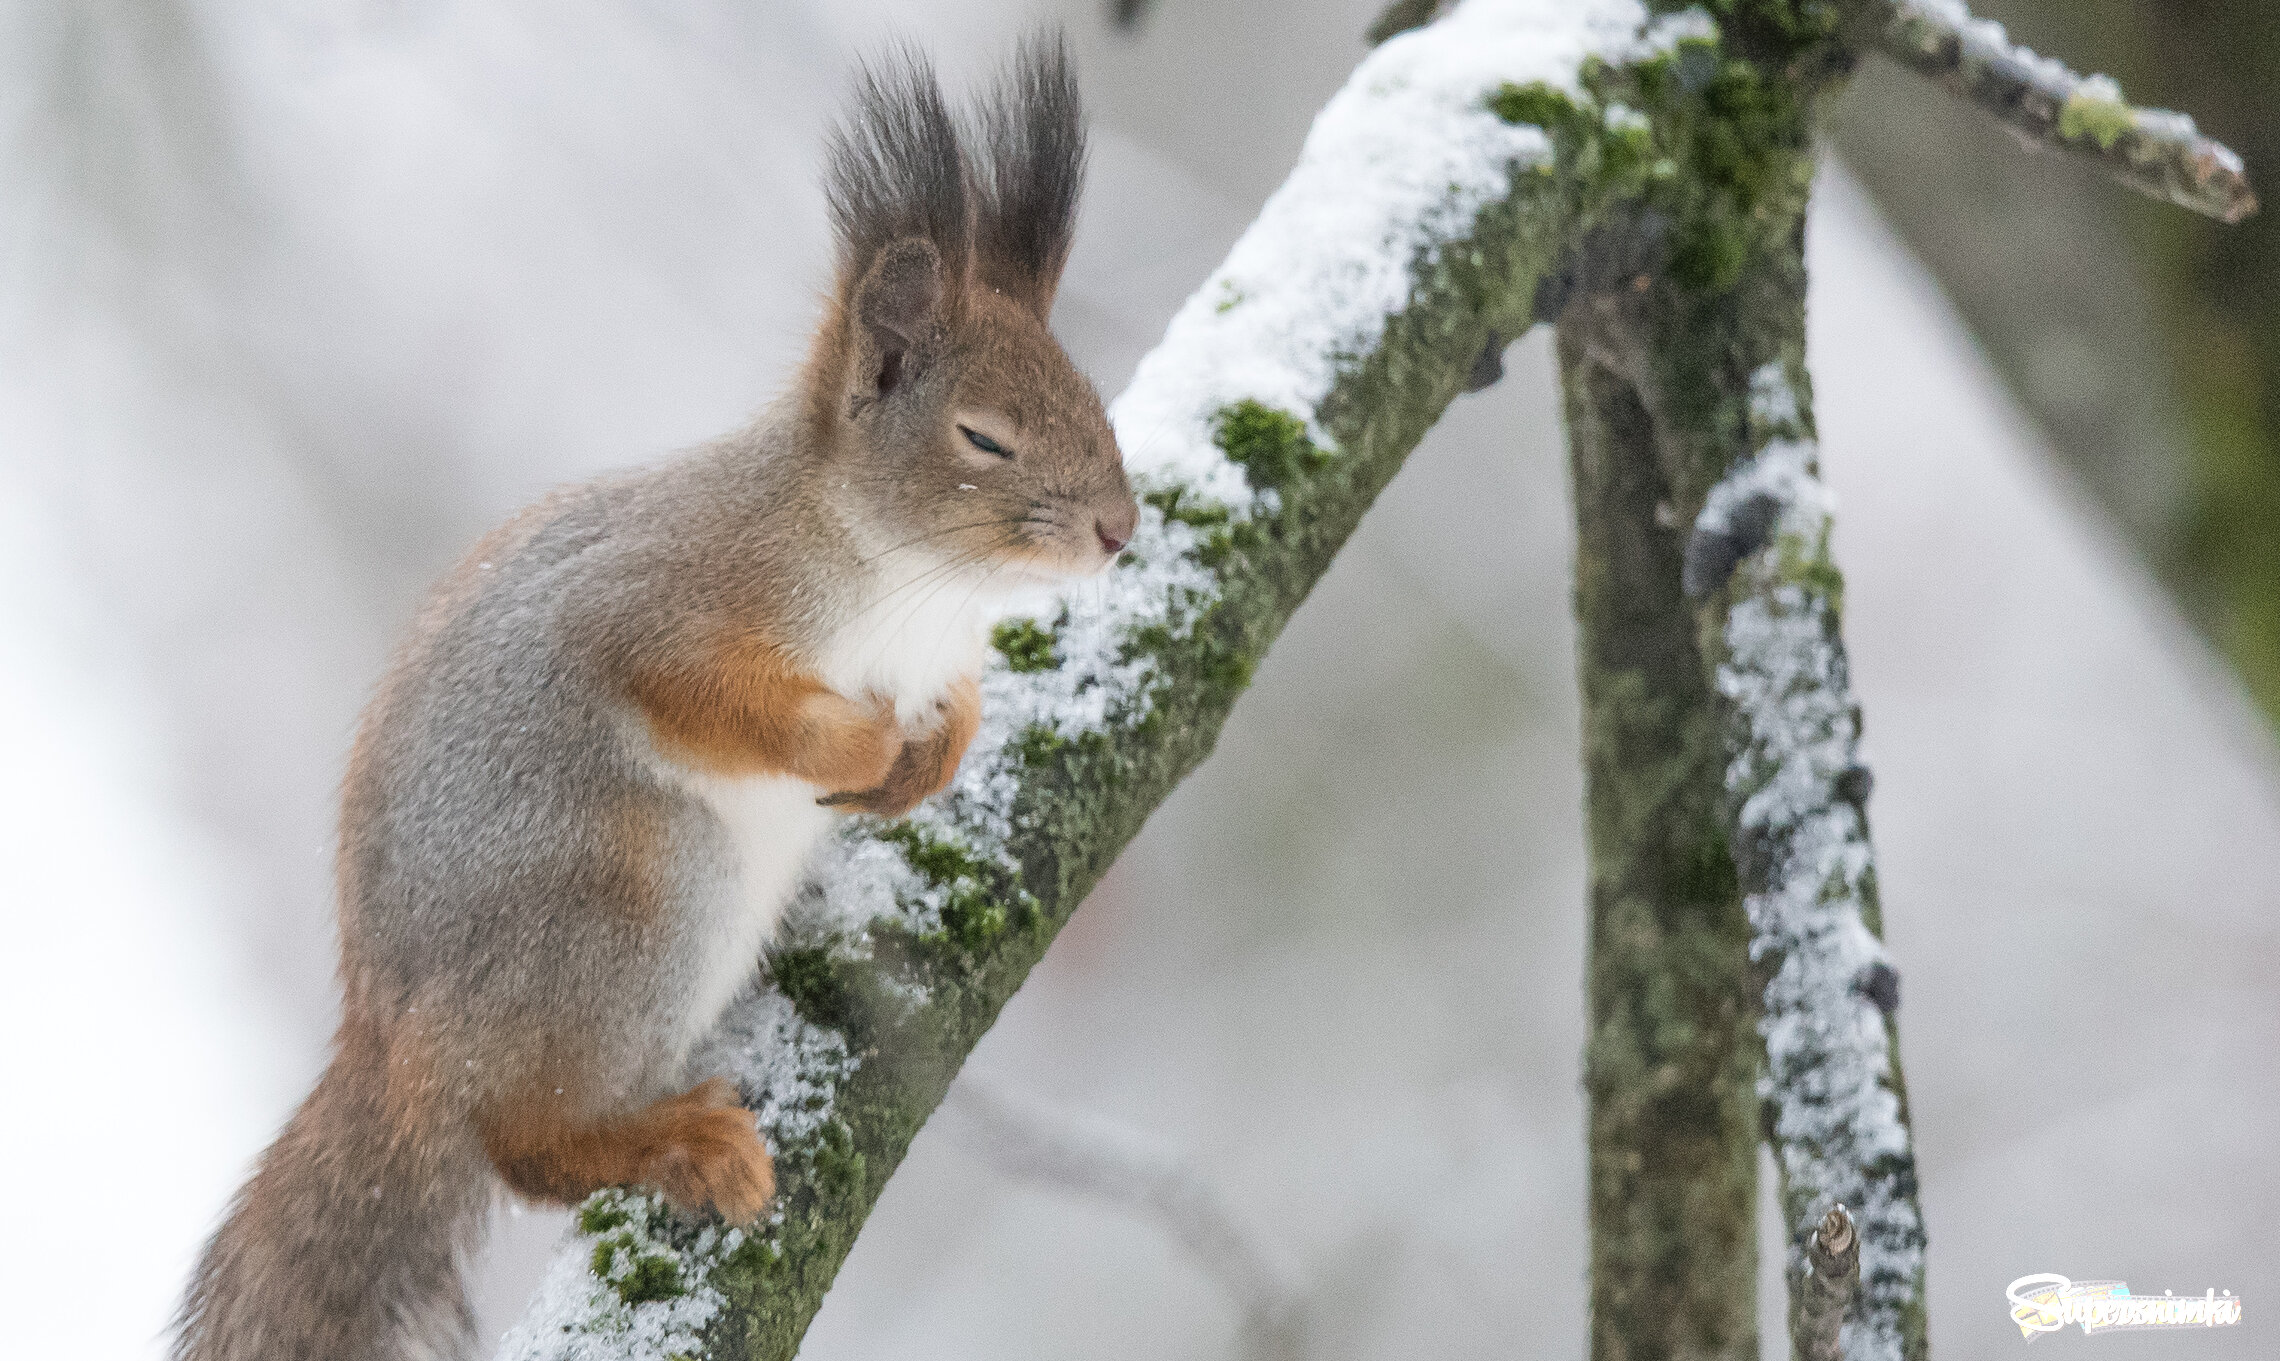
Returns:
point(345, 1246)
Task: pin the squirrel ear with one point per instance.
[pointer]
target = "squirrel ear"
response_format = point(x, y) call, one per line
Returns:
point(896, 306)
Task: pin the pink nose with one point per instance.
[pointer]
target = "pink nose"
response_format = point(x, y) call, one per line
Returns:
point(1111, 542)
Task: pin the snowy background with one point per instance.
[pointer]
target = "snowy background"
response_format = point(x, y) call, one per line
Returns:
point(299, 296)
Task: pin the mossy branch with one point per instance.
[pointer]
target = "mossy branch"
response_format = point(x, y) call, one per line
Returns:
point(1670, 1067)
point(2154, 151)
point(1732, 876)
point(1705, 391)
point(1285, 396)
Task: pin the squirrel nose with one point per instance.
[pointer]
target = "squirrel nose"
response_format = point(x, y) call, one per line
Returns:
point(1115, 530)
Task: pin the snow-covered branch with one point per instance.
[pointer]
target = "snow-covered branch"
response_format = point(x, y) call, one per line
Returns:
point(2155, 151)
point(1836, 1107)
point(1714, 673)
point(2152, 150)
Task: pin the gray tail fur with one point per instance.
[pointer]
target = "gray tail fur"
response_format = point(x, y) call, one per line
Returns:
point(346, 1244)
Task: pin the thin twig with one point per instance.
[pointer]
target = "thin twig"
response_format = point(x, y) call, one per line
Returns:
point(1146, 1177)
point(1832, 1251)
point(2154, 151)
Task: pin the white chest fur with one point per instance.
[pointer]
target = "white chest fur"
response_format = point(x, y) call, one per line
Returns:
point(924, 627)
point(772, 825)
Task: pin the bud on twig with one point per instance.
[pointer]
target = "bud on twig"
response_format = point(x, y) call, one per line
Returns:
point(1825, 1296)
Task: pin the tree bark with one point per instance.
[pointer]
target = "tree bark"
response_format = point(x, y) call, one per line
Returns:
point(1832, 1260)
point(1703, 536)
point(1707, 388)
point(1670, 1068)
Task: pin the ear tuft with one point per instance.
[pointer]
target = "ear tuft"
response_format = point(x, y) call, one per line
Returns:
point(897, 171)
point(1032, 138)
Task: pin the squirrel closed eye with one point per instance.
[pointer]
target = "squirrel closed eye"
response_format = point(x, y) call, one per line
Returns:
point(985, 443)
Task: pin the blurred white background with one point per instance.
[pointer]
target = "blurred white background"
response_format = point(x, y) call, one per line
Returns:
point(299, 296)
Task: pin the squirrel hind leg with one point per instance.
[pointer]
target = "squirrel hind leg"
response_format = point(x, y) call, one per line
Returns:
point(712, 1154)
point(701, 1148)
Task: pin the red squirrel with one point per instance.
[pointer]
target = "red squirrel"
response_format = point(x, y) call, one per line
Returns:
point(584, 793)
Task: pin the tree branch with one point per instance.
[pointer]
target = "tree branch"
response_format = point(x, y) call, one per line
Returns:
point(1670, 1068)
point(1143, 1176)
point(1836, 1106)
point(1716, 384)
point(2154, 151)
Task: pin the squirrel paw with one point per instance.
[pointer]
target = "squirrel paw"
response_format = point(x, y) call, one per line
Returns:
point(927, 761)
point(907, 782)
point(712, 1156)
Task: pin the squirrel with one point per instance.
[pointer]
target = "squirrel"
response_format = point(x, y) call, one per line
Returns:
point(583, 794)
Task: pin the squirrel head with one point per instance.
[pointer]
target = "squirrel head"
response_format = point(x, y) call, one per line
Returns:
point(956, 423)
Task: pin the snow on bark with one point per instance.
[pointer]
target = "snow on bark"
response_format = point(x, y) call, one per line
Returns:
point(626, 1294)
point(1399, 162)
point(1802, 843)
point(2156, 151)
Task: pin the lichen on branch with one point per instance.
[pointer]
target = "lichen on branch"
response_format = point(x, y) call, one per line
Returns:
point(1836, 1110)
point(2154, 151)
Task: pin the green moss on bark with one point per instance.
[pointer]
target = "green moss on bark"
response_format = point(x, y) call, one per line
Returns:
point(1269, 445)
point(1670, 1067)
point(1026, 645)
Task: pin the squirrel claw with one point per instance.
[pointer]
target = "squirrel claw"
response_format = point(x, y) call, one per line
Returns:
point(887, 800)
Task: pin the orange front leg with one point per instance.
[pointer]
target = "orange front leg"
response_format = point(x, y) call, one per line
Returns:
point(743, 707)
point(929, 756)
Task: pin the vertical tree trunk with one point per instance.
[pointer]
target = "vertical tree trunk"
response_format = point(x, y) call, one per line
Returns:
point(1720, 732)
point(1697, 476)
point(1671, 1066)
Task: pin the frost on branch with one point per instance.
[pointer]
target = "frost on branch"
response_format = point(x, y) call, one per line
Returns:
point(2155, 151)
point(1808, 877)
